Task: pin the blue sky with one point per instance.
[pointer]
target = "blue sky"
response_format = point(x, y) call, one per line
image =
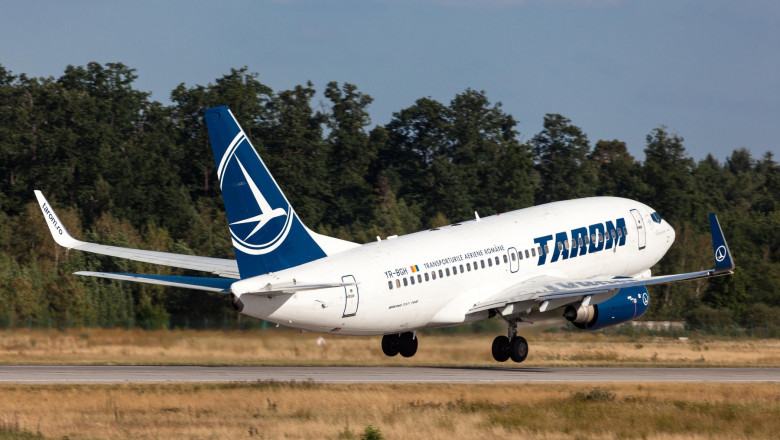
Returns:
point(707, 70)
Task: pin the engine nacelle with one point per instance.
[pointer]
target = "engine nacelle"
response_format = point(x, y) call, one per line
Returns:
point(629, 304)
point(238, 305)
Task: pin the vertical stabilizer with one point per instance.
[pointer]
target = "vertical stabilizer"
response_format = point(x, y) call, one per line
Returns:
point(267, 234)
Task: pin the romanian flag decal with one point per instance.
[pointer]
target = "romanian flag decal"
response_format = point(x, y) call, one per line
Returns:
point(415, 268)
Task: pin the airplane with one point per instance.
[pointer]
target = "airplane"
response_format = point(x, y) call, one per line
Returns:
point(590, 257)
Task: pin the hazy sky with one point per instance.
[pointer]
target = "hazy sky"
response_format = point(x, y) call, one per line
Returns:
point(708, 70)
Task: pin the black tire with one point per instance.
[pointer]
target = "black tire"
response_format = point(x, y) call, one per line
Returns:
point(518, 349)
point(408, 344)
point(391, 344)
point(501, 348)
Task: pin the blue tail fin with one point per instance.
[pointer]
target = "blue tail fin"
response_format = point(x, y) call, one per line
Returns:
point(267, 234)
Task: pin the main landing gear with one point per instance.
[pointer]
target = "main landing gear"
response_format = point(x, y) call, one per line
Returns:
point(512, 346)
point(404, 343)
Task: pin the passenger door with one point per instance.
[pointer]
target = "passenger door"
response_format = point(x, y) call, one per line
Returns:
point(640, 228)
point(351, 296)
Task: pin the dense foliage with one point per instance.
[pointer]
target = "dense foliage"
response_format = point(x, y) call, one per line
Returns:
point(125, 170)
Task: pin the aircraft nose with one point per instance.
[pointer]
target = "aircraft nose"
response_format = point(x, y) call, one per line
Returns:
point(670, 234)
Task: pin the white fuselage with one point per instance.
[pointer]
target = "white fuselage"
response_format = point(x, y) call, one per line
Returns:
point(403, 283)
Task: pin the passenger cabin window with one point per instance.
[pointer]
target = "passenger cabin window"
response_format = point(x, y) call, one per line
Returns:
point(533, 252)
point(411, 280)
point(490, 262)
point(526, 254)
point(441, 275)
point(579, 241)
point(612, 233)
point(397, 283)
point(476, 266)
point(390, 285)
point(546, 250)
point(505, 259)
point(461, 268)
point(406, 283)
point(419, 278)
point(560, 246)
point(497, 261)
point(514, 256)
point(433, 275)
point(468, 267)
point(620, 232)
point(482, 263)
point(520, 255)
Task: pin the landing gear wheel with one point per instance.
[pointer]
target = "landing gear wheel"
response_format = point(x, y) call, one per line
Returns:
point(518, 349)
point(407, 344)
point(391, 344)
point(501, 348)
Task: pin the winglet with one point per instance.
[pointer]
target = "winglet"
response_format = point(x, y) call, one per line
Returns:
point(723, 260)
point(57, 229)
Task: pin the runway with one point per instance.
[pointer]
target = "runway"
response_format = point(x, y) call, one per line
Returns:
point(347, 375)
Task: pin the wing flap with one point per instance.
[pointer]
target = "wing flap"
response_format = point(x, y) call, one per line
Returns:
point(219, 266)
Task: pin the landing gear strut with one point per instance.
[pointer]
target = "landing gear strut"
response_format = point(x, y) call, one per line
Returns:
point(511, 346)
point(404, 343)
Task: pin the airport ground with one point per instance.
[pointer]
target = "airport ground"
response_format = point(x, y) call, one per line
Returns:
point(276, 410)
point(91, 346)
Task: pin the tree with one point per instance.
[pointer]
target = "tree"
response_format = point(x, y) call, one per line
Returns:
point(561, 152)
point(297, 153)
point(619, 174)
point(668, 172)
point(247, 98)
point(453, 160)
point(494, 167)
point(351, 154)
point(416, 137)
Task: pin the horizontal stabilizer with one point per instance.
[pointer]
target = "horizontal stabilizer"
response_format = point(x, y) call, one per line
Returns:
point(196, 283)
point(292, 287)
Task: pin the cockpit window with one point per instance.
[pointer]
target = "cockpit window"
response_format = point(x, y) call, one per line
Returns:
point(656, 218)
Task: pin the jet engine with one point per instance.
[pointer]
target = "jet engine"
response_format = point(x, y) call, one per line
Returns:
point(628, 304)
point(238, 305)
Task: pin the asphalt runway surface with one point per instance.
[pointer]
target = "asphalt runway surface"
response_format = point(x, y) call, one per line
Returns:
point(182, 374)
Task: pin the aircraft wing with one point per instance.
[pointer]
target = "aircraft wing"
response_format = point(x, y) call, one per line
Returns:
point(554, 292)
point(219, 266)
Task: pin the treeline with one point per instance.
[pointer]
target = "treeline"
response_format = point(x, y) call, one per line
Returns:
point(125, 170)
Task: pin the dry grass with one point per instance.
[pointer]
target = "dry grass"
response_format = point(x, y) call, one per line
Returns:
point(281, 347)
point(311, 411)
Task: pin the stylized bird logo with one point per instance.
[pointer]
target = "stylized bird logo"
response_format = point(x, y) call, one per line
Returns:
point(720, 253)
point(266, 212)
